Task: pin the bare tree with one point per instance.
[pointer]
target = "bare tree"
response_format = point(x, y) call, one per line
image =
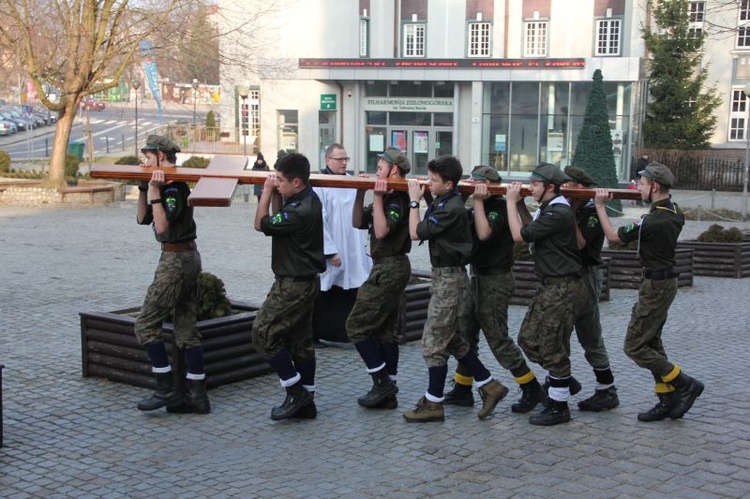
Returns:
point(79, 46)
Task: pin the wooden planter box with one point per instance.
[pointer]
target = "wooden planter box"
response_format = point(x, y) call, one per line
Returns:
point(110, 350)
point(719, 259)
point(527, 282)
point(625, 271)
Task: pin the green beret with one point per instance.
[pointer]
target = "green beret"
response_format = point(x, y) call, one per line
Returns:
point(160, 143)
point(579, 175)
point(482, 172)
point(658, 173)
point(549, 173)
point(395, 157)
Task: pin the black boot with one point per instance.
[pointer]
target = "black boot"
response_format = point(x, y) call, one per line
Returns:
point(167, 393)
point(555, 413)
point(686, 390)
point(310, 411)
point(461, 395)
point(195, 400)
point(661, 410)
point(382, 388)
point(532, 394)
point(297, 397)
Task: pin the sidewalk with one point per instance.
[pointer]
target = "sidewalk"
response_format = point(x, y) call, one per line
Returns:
point(66, 436)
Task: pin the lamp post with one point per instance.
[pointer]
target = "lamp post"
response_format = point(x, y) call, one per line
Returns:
point(746, 91)
point(136, 85)
point(195, 98)
point(244, 118)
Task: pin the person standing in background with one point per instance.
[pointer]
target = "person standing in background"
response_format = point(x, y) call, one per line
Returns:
point(347, 261)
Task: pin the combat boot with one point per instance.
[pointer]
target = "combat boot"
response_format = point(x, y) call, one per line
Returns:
point(461, 395)
point(167, 393)
point(425, 411)
point(492, 393)
point(297, 397)
point(195, 401)
point(601, 400)
point(532, 394)
point(661, 410)
point(686, 390)
point(389, 403)
point(553, 414)
point(382, 388)
point(310, 411)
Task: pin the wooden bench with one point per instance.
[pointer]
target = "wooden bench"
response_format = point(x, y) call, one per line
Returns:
point(88, 189)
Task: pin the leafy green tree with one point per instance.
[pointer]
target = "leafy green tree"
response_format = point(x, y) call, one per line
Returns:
point(211, 130)
point(680, 112)
point(594, 149)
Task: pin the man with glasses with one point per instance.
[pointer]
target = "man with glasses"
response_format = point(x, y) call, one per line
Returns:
point(345, 248)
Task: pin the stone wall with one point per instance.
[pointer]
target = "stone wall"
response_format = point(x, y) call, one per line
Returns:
point(35, 194)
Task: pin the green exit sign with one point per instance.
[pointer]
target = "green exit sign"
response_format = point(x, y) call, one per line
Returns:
point(327, 102)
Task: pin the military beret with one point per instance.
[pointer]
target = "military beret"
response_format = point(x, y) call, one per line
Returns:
point(579, 175)
point(160, 143)
point(395, 157)
point(482, 172)
point(658, 173)
point(549, 173)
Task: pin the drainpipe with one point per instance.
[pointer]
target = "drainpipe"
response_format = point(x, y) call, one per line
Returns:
point(341, 112)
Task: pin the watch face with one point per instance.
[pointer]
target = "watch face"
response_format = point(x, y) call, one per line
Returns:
point(413, 204)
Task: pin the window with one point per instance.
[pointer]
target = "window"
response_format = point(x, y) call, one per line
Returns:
point(255, 113)
point(608, 37)
point(479, 39)
point(738, 116)
point(364, 37)
point(414, 40)
point(697, 16)
point(743, 25)
point(535, 39)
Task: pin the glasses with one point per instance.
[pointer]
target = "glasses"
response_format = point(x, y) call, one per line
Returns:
point(346, 159)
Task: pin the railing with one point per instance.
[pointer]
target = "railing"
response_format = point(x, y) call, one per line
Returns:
point(720, 170)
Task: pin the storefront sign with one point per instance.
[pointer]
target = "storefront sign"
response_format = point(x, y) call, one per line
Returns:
point(578, 63)
point(426, 104)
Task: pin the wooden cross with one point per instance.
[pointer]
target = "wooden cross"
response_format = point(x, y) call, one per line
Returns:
point(215, 185)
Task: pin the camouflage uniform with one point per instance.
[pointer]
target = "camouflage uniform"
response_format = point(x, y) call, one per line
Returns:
point(548, 324)
point(284, 321)
point(377, 311)
point(173, 293)
point(657, 234)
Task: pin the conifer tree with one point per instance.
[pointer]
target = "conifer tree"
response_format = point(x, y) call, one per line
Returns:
point(680, 113)
point(594, 149)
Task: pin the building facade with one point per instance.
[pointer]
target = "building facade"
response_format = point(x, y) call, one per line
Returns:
point(497, 82)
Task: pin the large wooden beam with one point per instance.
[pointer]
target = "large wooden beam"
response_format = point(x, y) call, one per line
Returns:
point(222, 176)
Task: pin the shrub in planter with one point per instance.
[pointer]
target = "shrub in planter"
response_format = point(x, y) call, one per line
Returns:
point(128, 160)
point(196, 162)
point(718, 234)
point(71, 165)
point(212, 298)
point(4, 162)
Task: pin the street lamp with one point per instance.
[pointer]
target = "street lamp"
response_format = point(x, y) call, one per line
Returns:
point(195, 98)
point(243, 91)
point(136, 85)
point(746, 91)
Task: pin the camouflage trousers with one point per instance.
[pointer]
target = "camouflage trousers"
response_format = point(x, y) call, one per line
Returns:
point(588, 324)
point(643, 338)
point(173, 295)
point(449, 301)
point(378, 310)
point(284, 321)
point(488, 310)
point(548, 324)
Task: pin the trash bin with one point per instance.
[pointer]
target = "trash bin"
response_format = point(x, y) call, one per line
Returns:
point(76, 149)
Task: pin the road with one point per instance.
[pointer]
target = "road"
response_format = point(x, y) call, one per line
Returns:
point(112, 130)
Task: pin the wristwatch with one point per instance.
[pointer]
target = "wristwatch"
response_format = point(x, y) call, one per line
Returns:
point(413, 204)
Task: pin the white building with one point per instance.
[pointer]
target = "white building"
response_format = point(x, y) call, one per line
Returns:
point(499, 82)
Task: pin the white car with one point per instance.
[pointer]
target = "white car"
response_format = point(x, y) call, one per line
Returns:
point(7, 128)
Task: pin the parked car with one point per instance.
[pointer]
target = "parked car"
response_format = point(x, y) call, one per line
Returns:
point(7, 128)
point(21, 124)
point(92, 104)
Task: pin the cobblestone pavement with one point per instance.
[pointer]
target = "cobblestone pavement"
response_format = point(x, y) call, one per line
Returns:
point(66, 436)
